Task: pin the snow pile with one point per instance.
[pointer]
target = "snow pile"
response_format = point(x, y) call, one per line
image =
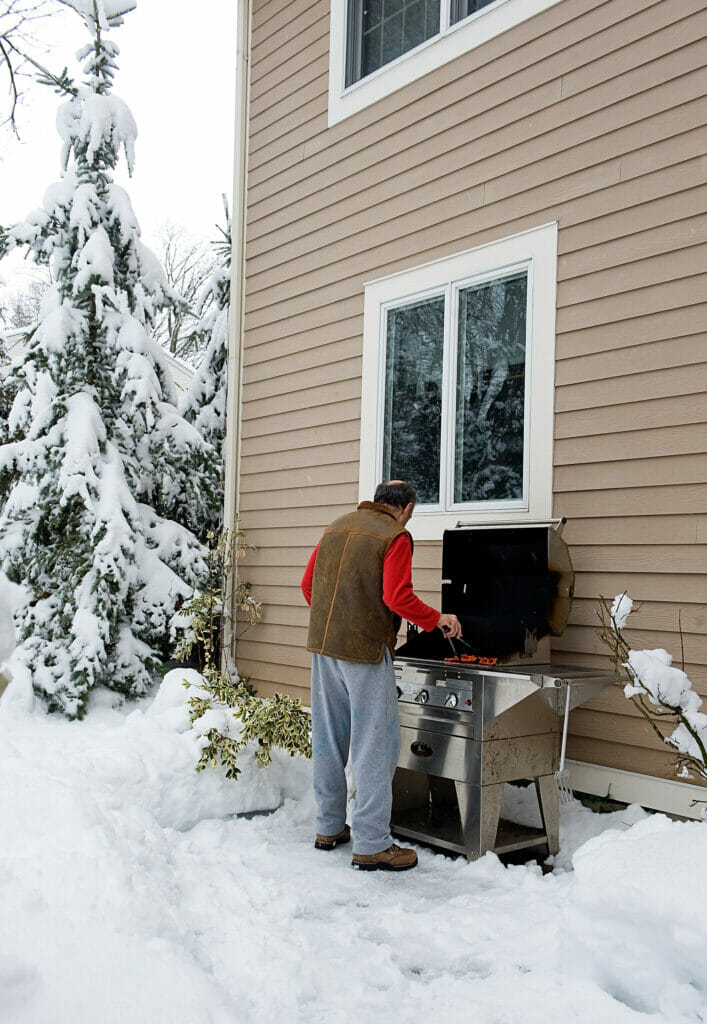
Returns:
point(132, 890)
point(639, 916)
point(146, 757)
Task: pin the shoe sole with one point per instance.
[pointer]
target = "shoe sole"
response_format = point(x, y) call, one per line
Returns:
point(331, 846)
point(382, 867)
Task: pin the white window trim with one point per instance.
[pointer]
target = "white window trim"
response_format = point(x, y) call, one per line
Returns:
point(451, 42)
point(535, 248)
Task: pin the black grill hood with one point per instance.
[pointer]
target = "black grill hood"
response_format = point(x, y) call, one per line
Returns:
point(510, 585)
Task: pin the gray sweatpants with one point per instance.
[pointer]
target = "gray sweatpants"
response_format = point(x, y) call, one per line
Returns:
point(355, 708)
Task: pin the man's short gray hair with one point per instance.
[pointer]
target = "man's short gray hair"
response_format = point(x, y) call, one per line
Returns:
point(395, 493)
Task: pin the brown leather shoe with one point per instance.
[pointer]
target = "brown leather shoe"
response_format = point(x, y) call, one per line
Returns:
point(329, 842)
point(393, 859)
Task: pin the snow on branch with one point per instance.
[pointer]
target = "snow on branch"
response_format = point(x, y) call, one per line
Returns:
point(661, 692)
point(103, 13)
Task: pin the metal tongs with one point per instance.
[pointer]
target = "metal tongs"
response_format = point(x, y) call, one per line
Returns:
point(460, 640)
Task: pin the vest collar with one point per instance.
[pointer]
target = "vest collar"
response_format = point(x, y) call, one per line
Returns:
point(375, 506)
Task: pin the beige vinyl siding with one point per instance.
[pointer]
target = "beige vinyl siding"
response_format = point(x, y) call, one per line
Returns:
point(591, 114)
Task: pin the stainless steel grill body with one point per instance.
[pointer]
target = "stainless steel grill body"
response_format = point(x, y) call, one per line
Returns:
point(465, 733)
point(468, 730)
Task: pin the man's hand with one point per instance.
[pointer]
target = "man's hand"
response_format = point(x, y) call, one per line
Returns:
point(450, 625)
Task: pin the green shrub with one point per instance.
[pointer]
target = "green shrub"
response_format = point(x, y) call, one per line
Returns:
point(277, 721)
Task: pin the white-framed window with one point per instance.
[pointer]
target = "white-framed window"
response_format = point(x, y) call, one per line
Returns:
point(378, 46)
point(458, 383)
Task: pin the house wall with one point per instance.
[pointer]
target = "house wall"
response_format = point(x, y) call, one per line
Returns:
point(591, 114)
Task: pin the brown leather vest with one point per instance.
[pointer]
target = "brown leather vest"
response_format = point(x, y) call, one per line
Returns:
point(348, 619)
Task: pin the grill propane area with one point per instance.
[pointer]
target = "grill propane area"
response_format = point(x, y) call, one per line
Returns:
point(492, 709)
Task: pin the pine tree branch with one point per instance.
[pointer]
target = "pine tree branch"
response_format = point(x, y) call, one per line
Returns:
point(61, 83)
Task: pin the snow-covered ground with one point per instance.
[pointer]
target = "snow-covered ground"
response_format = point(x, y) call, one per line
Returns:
point(132, 891)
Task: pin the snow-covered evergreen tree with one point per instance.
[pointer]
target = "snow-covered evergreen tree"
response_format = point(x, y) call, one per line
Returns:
point(204, 403)
point(110, 484)
point(7, 396)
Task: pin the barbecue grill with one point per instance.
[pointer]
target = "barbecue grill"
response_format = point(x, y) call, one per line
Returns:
point(489, 710)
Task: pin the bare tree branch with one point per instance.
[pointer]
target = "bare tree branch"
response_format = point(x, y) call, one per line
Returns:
point(188, 265)
point(657, 709)
point(22, 307)
point(19, 47)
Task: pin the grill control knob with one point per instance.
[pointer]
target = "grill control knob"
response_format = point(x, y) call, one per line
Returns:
point(451, 701)
point(399, 692)
point(422, 697)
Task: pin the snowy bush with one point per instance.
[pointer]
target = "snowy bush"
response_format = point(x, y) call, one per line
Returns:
point(662, 693)
point(109, 491)
point(223, 707)
point(228, 715)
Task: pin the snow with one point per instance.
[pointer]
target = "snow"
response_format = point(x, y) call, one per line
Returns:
point(109, 11)
point(621, 609)
point(7, 627)
point(134, 888)
point(104, 119)
point(95, 260)
point(658, 677)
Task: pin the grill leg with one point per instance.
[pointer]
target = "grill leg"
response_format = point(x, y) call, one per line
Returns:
point(479, 811)
point(549, 801)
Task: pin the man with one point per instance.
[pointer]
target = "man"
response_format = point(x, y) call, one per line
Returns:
point(359, 577)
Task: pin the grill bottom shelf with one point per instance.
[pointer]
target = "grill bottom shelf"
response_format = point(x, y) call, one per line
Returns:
point(466, 818)
point(445, 831)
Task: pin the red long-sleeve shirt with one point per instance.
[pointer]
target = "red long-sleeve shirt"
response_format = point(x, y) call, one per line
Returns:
point(398, 594)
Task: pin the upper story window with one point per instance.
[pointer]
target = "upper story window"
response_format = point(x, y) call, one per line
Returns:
point(379, 31)
point(458, 382)
point(378, 46)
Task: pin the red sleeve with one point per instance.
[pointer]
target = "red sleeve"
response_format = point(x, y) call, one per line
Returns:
point(398, 594)
point(306, 584)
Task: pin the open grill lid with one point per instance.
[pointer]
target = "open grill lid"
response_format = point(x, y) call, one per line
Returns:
point(510, 585)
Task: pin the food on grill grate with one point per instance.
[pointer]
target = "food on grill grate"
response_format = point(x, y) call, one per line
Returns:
point(472, 659)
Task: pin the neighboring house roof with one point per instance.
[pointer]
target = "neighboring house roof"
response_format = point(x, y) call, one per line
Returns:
point(181, 372)
point(13, 344)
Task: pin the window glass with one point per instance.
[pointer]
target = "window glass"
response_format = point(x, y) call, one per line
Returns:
point(490, 390)
point(412, 425)
point(381, 30)
point(461, 9)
